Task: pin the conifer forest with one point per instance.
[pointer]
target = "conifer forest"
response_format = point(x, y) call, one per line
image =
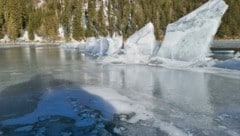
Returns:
point(85, 18)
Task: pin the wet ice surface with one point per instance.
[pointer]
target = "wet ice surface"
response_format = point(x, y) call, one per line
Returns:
point(49, 91)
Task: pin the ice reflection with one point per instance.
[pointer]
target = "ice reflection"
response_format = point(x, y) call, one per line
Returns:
point(175, 96)
point(184, 99)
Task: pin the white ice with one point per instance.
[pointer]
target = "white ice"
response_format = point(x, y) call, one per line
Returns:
point(73, 45)
point(141, 42)
point(96, 46)
point(189, 38)
point(137, 48)
point(115, 43)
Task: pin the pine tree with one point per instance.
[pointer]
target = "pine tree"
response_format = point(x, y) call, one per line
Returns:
point(100, 24)
point(91, 18)
point(13, 17)
point(110, 17)
point(123, 16)
point(50, 28)
point(34, 22)
point(66, 19)
point(78, 32)
point(30, 27)
point(1, 19)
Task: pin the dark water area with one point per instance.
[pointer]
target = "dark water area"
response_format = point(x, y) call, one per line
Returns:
point(51, 91)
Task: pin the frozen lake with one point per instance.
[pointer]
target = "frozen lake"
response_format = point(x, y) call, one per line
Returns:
point(51, 91)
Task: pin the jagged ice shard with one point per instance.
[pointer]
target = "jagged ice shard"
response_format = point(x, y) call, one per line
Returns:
point(137, 48)
point(141, 42)
point(96, 47)
point(189, 38)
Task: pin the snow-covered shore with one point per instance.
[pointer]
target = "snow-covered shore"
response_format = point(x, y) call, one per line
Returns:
point(28, 44)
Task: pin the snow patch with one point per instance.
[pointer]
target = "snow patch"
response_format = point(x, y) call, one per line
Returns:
point(40, 3)
point(24, 38)
point(5, 39)
point(122, 104)
point(38, 38)
point(61, 32)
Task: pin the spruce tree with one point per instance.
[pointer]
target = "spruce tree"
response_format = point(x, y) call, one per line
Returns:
point(30, 28)
point(123, 16)
point(66, 19)
point(1, 19)
point(78, 32)
point(101, 21)
point(13, 17)
point(110, 17)
point(91, 18)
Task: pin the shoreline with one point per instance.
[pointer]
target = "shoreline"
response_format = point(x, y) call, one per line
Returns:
point(28, 44)
point(217, 43)
point(59, 42)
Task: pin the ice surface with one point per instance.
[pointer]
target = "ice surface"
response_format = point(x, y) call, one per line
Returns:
point(96, 47)
point(59, 103)
point(233, 64)
point(73, 45)
point(25, 128)
point(189, 38)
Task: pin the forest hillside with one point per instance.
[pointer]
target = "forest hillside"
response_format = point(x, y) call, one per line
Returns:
point(85, 18)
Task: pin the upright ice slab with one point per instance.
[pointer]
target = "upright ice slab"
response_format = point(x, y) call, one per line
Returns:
point(137, 48)
point(115, 44)
point(96, 47)
point(141, 42)
point(189, 38)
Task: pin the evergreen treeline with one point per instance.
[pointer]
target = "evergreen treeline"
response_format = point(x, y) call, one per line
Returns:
point(85, 18)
